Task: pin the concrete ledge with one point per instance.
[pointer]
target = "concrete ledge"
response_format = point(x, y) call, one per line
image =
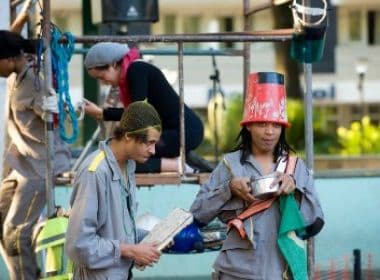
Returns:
point(323, 162)
point(346, 166)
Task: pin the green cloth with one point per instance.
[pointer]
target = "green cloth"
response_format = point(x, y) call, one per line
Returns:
point(291, 246)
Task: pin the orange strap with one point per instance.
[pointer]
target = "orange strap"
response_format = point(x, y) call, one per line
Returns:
point(258, 205)
point(291, 165)
point(255, 207)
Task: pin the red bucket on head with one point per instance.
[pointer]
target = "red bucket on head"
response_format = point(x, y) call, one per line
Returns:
point(266, 99)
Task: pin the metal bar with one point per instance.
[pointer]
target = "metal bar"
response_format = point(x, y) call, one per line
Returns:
point(5, 21)
point(49, 125)
point(182, 152)
point(246, 50)
point(86, 149)
point(256, 36)
point(175, 52)
point(357, 265)
point(13, 13)
point(309, 143)
point(192, 52)
point(15, 3)
point(308, 103)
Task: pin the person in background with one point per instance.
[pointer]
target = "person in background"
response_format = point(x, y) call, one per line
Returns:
point(116, 65)
point(22, 192)
point(102, 237)
point(257, 246)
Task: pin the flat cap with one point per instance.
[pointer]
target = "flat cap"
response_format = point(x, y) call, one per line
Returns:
point(105, 53)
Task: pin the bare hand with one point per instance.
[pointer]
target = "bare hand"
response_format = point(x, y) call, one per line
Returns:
point(144, 254)
point(92, 109)
point(287, 183)
point(241, 187)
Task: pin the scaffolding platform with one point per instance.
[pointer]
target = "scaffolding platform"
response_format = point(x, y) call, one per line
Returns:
point(149, 179)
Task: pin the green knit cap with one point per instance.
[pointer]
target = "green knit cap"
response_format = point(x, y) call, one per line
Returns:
point(138, 117)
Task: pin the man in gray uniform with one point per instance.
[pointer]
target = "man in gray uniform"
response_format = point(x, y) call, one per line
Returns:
point(228, 192)
point(102, 235)
point(22, 193)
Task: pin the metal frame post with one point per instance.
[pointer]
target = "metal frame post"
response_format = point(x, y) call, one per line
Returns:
point(246, 48)
point(357, 264)
point(49, 124)
point(4, 24)
point(182, 151)
point(309, 143)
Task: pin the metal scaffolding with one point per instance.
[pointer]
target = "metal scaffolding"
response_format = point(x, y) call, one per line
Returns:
point(246, 37)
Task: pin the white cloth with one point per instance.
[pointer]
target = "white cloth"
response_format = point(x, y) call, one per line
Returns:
point(50, 103)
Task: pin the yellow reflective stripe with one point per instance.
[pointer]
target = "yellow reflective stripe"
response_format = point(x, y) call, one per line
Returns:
point(96, 161)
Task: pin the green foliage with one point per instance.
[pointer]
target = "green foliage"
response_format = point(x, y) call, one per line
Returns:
point(324, 141)
point(227, 124)
point(361, 138)
point(295, 134)
point(232, 122)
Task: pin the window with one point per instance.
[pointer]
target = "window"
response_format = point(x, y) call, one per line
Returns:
point(227, 25)
point(374, 109)
point(355, 27)
point(355, 109)
point(373, 22)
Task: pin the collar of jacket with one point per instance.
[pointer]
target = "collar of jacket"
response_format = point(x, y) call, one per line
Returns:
point(112, 162)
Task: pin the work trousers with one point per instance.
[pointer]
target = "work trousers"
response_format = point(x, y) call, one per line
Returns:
point(21, 203)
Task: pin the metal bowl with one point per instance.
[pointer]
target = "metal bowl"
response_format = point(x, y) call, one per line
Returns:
point(262, 186)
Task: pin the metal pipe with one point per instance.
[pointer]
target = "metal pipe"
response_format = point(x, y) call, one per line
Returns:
point(182, 151)
point(309, 143)
point(86, 149)
point(357, 265)
point(308, 103)
point(168, 52)
point(190, 52)
point(246, 49)
point(49, 124)
point(5, 20)
point(15, 3)
point(256, 36)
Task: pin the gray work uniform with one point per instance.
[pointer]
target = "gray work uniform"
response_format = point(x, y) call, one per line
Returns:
point(258, 256)
point(22, 193)
point(102, 217)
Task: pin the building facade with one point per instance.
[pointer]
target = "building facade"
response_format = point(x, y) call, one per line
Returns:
point(345, 82)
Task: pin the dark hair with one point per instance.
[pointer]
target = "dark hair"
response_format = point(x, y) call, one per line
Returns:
point(100, 68)
point(244, 143)
point(136, 119)
point(13, 44)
